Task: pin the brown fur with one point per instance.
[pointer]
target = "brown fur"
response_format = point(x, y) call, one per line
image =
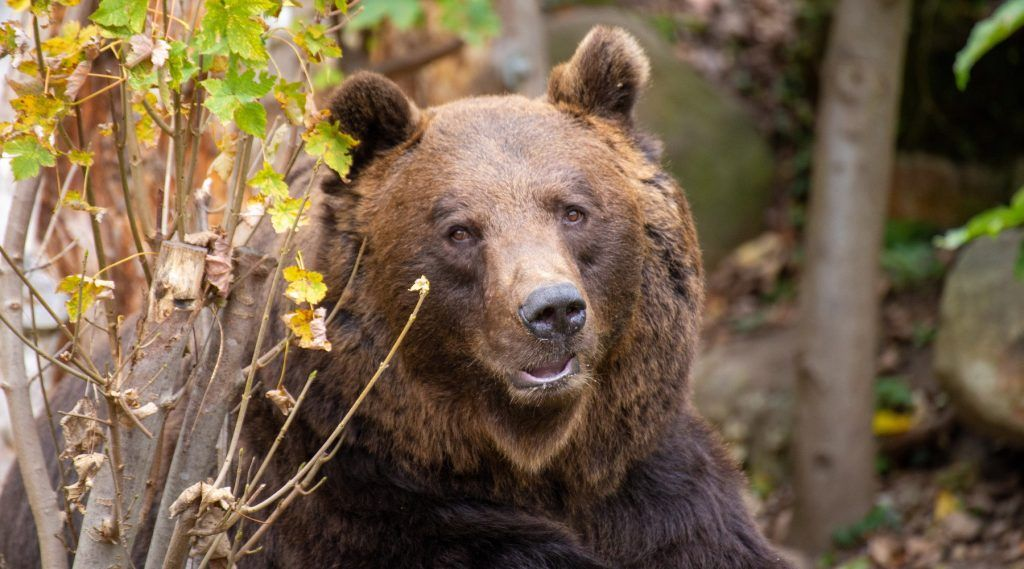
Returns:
point(447, 464)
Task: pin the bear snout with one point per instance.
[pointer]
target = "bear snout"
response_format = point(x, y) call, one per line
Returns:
point(554, 311)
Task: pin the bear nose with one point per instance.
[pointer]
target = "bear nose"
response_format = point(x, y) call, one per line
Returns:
point(556, 310)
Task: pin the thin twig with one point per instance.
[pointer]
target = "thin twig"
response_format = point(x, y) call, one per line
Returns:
point(261, 334)
point(297, 485)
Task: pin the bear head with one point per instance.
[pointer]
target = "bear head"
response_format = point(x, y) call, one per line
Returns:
point(554, 244)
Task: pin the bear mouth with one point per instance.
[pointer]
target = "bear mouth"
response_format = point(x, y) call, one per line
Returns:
point(547, 374)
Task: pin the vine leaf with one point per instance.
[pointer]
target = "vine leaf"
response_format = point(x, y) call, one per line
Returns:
point(309, 327)
point(269, 183)
point(27, 156)
point(84, 291)
point(121, 18)
point(236, 98)
point(987, 34)
point(327, 142)
point(304, 286)
point(233, 27)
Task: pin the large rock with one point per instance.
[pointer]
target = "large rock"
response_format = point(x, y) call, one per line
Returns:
point(745, 387)
point(980, 345)
point(711, 144)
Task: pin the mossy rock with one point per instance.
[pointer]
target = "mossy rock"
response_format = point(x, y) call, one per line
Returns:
point(711, 143)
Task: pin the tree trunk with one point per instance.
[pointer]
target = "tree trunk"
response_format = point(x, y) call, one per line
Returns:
point(853, 159)
point(14, 381)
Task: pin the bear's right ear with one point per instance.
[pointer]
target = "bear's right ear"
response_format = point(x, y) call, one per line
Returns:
point(604, 77)
point(374, 111)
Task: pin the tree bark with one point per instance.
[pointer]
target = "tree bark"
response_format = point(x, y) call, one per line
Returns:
point(42, 498)
point(214, 393)
point(156, 372)
point(853, 157)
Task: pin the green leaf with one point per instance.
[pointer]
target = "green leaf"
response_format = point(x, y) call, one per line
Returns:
point(402, 13)
point(121, 18)
point(292, 99)
point(8, 39)
point(321, 5)
point(28, 155)
point(986, 34)
point(269, 183)
point(283, 214)
point(313, 39)
point(328, 143)
point(234, 27)
point(475, 21)
point(236, 98)
point(990, 222)
point(893, 393)
point(142, 77)
point(252, 118)
point(180, 64)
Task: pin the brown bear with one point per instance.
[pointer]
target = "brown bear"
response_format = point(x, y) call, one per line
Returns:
point(538, 413)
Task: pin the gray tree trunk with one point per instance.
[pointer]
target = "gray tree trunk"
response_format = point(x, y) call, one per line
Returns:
point(853, 157)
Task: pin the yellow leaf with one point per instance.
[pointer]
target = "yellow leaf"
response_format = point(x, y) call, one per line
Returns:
point(309, 327)
point(887, 423)
point(945, 504)
point(84, 291)
point(304, 286)
point(283, 214)
point(74, 200)
point(146, 130)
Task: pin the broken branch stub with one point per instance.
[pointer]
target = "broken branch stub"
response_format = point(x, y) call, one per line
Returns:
point(155, 373)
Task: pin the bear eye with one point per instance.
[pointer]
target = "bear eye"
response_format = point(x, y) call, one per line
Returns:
point(459, 234)
point(573, 215)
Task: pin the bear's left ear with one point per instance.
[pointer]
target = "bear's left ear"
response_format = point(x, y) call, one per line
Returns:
point(604, 76)
point(373, 110)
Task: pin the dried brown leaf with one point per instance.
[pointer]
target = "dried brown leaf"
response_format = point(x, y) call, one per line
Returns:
point(282, 400)
point(219, 265)
point(210, 505)
point(161, 49)
point(87, 466)
point(77, 79)
point(141, 49)
point(205, 524)
point(106, 532)
point(201, 238)
point(82, 431)
point(202, 494)
point(145, 410)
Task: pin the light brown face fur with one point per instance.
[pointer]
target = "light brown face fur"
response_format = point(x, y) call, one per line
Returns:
point(503, 173)
point(493, 199)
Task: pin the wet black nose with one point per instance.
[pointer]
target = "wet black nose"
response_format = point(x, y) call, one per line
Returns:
point(554, 311)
